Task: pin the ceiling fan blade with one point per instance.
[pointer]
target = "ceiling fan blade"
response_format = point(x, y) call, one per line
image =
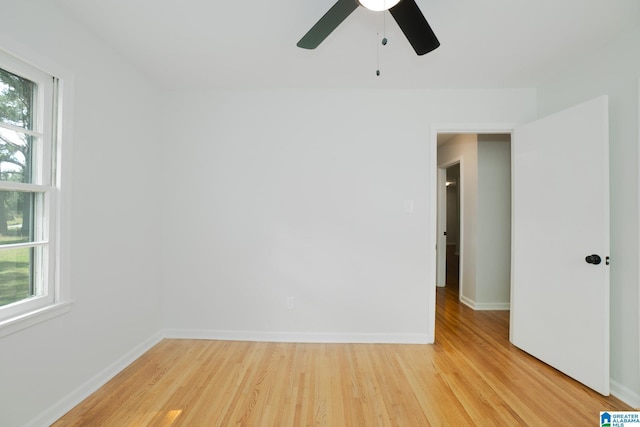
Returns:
point(329, 22)
point(414, 26)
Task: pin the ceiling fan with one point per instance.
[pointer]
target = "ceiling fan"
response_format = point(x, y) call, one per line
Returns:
point(405, 12)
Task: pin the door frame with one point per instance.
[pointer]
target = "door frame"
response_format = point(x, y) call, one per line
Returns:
point(436, 128)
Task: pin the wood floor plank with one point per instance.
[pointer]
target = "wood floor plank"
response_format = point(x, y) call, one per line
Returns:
point(472, 375)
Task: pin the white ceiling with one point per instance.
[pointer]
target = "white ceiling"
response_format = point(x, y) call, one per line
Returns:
point(252, 43)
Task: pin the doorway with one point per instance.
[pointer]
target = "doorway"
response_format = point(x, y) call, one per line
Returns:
point(474, 217)
point(549, 308)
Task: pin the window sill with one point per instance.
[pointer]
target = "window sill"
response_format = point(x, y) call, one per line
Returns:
point(15, 324)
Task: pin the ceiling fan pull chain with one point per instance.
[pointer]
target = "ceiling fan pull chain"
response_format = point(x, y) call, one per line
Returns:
point(377, 54)
point(384, 27)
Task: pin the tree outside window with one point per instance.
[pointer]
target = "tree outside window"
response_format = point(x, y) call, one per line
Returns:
point(18, 141)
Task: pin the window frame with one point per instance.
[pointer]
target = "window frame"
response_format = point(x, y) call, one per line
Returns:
point(52, 129)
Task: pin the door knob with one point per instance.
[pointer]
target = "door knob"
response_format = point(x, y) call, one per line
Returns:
point(593, 259)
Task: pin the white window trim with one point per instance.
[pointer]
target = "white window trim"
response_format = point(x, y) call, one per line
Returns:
point(34, 317)
point(60, 231)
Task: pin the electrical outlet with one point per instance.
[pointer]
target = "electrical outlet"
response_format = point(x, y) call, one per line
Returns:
point(291, 303)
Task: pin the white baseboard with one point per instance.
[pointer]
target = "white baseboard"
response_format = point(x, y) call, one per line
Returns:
point(466, 301)
point(493, 306)
point(297, 337)
point(67, 403)
point(625, 394)
point(484, 306)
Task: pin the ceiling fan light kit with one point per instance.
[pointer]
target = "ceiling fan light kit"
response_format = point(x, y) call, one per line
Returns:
point(378, 5)
point(405, 12)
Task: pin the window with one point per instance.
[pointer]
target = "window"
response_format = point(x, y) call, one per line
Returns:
point(28, 190)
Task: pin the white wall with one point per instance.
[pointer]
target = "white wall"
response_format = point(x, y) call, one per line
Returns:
point(301, 193)
point(464, 148)
point(114, 238)
point(614, 71)
point(493, 262)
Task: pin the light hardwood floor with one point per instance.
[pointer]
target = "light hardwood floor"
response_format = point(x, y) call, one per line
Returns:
point(470, 376)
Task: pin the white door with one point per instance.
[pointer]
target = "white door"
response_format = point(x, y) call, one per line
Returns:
point(560, 186)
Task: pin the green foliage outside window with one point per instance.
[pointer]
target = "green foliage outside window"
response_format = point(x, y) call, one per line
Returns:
point(17, 96)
